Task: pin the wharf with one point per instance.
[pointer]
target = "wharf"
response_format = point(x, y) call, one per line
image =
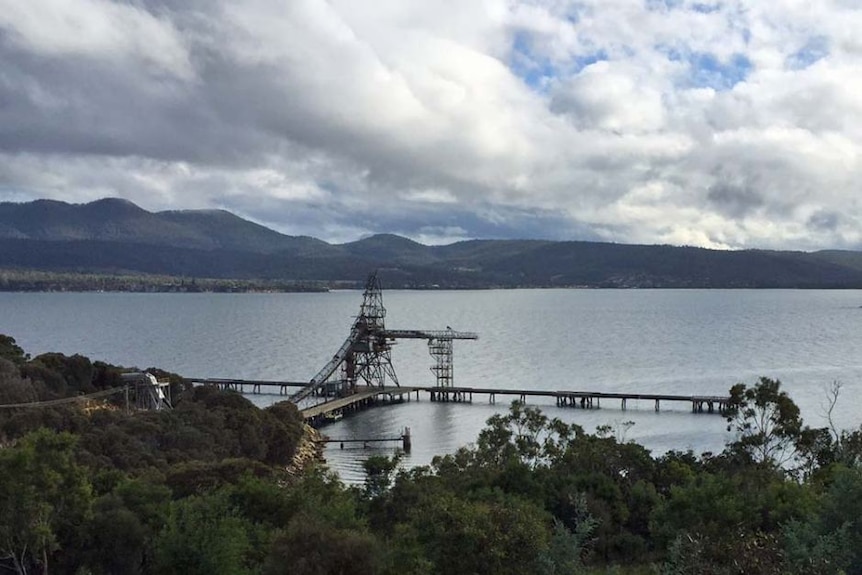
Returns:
point(254, 386)
point(582, 399)
point(366, 396)
point(404, 439)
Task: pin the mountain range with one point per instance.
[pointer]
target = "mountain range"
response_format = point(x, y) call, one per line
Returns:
point(114, 236)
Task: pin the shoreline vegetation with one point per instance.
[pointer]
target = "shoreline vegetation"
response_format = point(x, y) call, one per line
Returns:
point(218, 486)
point(32, 281)
point(38, 281)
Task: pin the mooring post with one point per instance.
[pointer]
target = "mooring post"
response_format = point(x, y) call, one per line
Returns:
point(406, 442)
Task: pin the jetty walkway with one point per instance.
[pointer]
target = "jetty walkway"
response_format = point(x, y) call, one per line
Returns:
point(365, 397)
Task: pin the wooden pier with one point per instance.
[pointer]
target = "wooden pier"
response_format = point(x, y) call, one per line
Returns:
point(405, 440)
point(254, 386)
point(336, 407)
point(582, 399)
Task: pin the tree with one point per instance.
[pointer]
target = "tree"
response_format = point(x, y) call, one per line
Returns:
point(204, 535)
point(378, 474)
point(25, 531)
point(117, 541)
point(568, 549)
point(311, 546)
point(148, 501)
point(525, 435)
point(767, 423)
point(44, 495)
point(13, 388)
point(76, 370)
point(839, 517)
point(501, 535)
point(11, 351)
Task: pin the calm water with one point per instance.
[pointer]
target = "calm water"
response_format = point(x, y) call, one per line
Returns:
point(672, 341)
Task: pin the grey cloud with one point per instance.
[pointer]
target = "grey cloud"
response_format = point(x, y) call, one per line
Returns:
point(825, 221)
point(320, 118)
point(342, 224)
point(734, 201)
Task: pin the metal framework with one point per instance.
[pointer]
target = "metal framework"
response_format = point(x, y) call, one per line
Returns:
point(149, 393)
point(441, 350)
point(366, 354)
point(371, 355)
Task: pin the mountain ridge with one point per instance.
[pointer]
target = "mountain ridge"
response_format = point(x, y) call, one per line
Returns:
point(119, 220)
point(113, 235)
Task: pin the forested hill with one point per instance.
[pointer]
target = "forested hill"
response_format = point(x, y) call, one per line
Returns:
point(113, 236)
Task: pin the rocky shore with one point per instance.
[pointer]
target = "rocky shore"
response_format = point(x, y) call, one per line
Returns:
point(308, 452)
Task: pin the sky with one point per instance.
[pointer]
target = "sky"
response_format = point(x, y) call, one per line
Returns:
point(725, 124)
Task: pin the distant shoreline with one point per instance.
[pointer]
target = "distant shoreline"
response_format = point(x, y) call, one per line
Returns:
point(177, 286)
point(51, 282)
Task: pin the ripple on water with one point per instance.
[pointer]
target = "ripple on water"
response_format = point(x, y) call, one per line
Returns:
point(673, 341)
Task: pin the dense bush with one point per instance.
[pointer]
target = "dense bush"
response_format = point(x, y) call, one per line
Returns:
point(202, 489)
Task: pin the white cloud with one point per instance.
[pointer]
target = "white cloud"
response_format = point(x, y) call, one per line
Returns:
point(732, 125)
point(607, 96)
point(97, 29)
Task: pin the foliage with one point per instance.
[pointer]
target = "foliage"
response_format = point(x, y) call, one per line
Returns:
point(204, 535)
point(13, 388)
point(812, 552)
point(202, 489)
point(767, 423)
point(310, 546)
point(737, 554)
point(43, 281)
point(11, 351)
point(567, 550)
point(44, 495)
point(378, 474)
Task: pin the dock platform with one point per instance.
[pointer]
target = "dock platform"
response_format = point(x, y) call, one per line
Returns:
point(365, 396)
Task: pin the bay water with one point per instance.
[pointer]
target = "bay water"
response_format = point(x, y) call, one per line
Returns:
point(649, 341)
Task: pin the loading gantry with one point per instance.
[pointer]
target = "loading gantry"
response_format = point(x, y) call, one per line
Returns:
point(366, 354)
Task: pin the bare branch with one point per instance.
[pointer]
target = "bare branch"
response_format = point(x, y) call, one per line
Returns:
point(832, 391)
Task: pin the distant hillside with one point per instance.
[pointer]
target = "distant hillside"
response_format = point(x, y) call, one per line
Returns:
point(116, 220)
point(114, 236)
point(843, 258)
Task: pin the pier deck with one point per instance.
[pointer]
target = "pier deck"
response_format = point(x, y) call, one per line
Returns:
point(583, 399)
point(365, 396)
point(254, 385)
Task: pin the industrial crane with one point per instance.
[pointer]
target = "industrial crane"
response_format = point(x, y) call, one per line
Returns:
point(366, 354)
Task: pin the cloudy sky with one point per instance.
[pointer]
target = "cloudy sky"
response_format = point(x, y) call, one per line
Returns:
point(717, 123)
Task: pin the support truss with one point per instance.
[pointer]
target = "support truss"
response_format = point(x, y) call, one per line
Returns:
point(365, 357)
